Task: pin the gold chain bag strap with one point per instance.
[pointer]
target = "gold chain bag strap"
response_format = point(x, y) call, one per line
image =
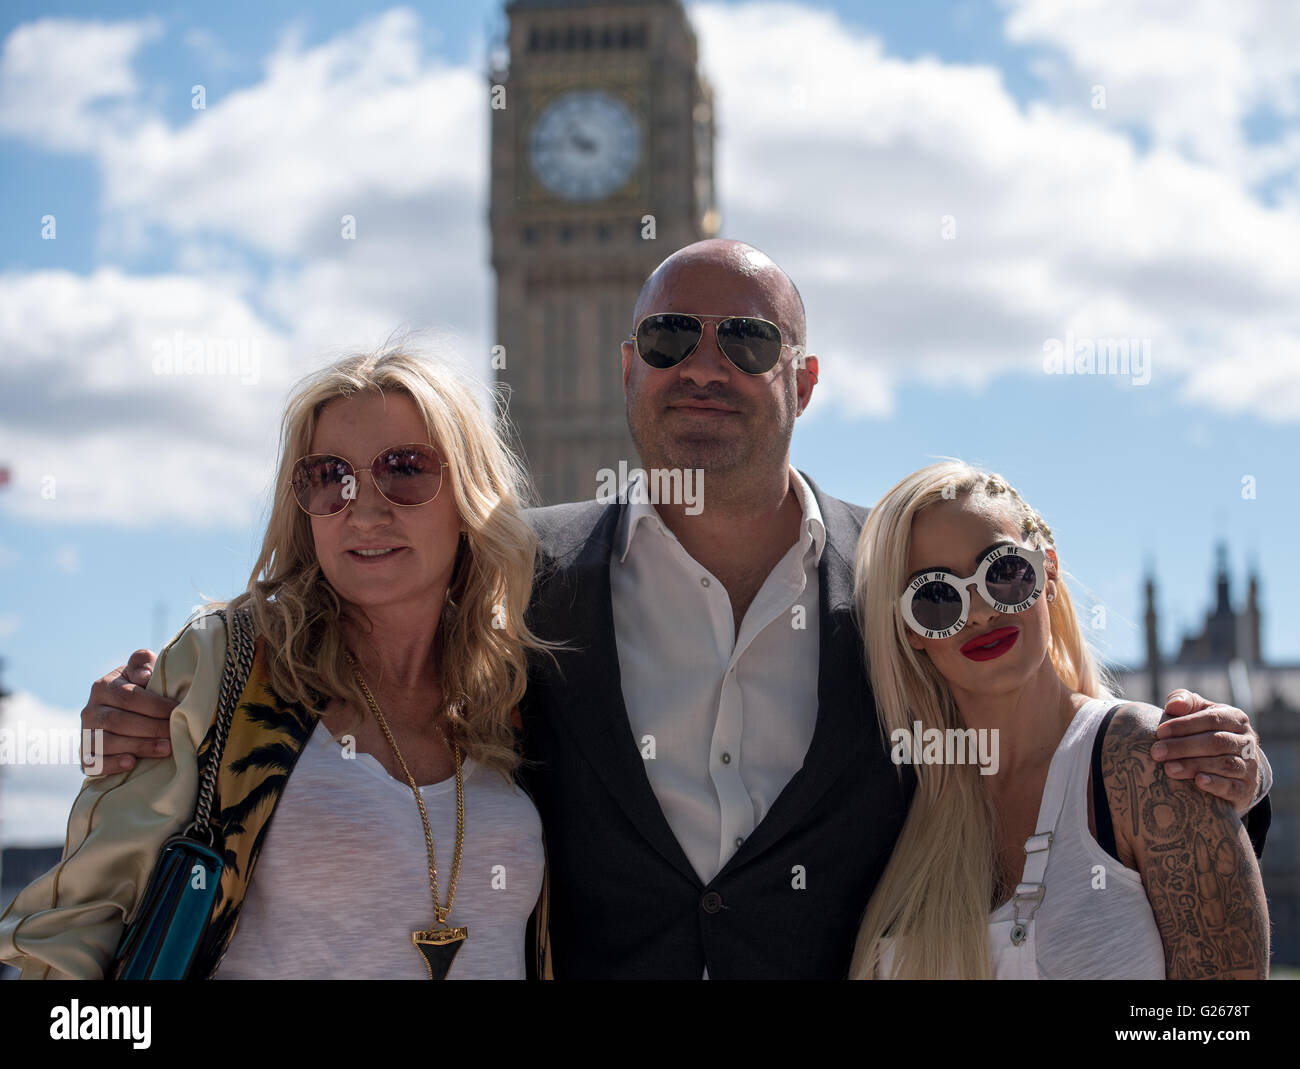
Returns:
point(162, 941)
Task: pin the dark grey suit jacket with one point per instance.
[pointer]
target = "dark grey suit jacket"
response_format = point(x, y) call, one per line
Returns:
point(625, 901)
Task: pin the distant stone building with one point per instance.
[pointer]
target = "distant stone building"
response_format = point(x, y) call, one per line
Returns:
point(1224, 661)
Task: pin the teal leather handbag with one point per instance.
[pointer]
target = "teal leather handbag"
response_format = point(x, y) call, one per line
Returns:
point(162, 939)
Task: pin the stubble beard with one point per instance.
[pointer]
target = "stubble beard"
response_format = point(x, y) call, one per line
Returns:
point(732, 461)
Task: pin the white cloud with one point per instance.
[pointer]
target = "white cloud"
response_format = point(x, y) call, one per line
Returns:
point(339, 129)
point(35, 798)
point(246, 200)
point(845, 170)
point(208, 48)
point(99, 424)
point(67, 559)
point(67, 83)
point(1257, 375)
point(1189, 73)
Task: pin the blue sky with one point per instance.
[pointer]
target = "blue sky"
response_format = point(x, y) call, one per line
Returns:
point(847, 133)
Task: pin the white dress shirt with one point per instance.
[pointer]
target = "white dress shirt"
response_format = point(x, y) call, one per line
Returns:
point(723, 721)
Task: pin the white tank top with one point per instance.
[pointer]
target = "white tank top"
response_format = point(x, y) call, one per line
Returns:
point(1077, 914)
point(343, 879)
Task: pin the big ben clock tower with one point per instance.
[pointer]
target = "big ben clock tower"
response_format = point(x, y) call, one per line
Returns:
point(602, 165)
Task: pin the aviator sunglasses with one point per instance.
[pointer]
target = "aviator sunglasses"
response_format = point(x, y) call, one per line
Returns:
point(1010, 579)
point(664, 339)
point(324, 485)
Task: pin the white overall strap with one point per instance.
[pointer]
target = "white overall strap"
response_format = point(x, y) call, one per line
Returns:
point(1029, 892)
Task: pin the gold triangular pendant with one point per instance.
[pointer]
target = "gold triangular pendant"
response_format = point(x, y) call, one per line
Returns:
point(439, 947)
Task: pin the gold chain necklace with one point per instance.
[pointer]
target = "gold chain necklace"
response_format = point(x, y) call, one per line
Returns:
point(438, 945)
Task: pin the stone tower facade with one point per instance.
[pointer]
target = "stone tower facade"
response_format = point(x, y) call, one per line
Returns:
point(602, 165)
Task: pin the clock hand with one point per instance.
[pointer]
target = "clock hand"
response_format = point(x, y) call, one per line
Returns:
point(583, 144)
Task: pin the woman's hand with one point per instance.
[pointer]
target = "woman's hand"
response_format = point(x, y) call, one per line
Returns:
point(1196, 861)
point(125, 720)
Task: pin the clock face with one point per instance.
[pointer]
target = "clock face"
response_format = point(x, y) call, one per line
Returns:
point(585, 145)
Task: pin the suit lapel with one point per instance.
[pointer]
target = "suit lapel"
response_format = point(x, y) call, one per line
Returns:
point(577, 605)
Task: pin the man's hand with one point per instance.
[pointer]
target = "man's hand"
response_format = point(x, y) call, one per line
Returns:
point(1213, 743)
point(133, 721)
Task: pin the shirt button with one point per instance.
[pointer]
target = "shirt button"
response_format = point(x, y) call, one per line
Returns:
point(740, 840)
point(711, 902)
point(726, 758)
point(704, 580)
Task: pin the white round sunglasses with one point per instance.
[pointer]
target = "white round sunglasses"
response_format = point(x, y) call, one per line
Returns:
point(1010, 579)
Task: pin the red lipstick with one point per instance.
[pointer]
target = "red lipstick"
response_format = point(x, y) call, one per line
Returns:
point(991, 645)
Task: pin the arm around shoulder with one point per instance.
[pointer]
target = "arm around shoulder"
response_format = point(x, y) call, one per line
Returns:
point(1195, 858)
point(67, 924)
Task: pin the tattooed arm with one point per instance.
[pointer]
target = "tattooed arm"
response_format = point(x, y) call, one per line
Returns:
point(1196, 861)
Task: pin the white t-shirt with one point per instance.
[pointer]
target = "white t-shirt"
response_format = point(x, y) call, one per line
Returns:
point(343, 878)
point(1094, 921)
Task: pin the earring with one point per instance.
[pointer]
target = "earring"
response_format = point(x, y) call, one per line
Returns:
point(1051, 597)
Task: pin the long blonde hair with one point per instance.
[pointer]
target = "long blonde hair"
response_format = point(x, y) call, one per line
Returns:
point(482, 640)
point(934, 896)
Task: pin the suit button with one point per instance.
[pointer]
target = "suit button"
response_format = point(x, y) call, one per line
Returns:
point(712, 901)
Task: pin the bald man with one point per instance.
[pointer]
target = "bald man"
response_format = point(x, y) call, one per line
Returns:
point(715, 793)
point(705, 756)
